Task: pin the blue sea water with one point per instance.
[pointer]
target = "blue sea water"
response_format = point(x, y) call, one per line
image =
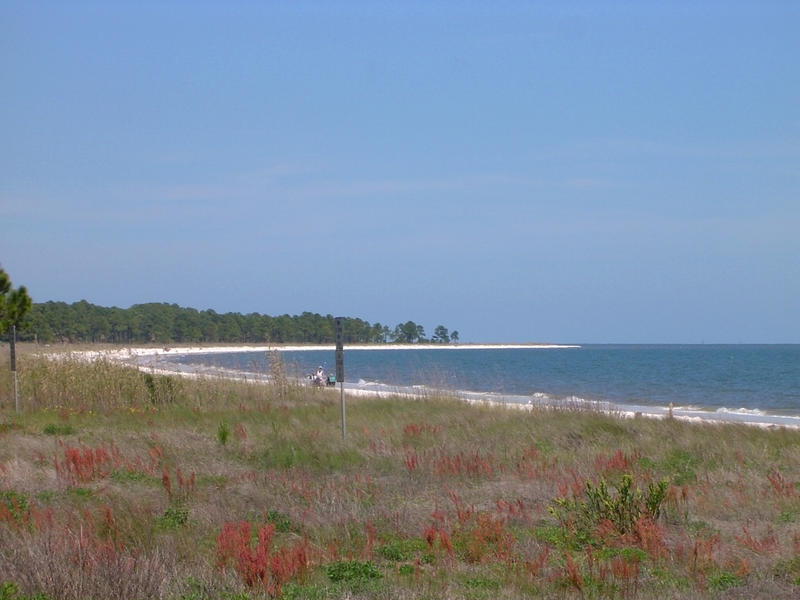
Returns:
point(733, 379)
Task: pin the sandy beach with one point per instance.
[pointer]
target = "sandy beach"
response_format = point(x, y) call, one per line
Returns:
point(172, 351)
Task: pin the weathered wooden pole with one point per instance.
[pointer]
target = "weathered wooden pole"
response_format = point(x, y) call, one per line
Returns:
point(340, 368)
point(14, 365)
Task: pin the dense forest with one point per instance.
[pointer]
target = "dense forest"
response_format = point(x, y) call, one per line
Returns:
point(163, 323)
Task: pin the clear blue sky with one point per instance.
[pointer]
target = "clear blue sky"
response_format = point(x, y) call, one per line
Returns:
point(541, 171)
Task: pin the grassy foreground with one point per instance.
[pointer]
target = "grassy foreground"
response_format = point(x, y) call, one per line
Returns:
point(117, 484)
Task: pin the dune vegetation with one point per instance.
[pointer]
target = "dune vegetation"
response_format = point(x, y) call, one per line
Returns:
point(121, 484)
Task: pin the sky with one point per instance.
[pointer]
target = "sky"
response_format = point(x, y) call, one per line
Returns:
point(575, 172)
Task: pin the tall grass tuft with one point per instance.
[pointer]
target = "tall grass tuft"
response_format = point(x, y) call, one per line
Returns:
point(277, 375)
point(72, 383)
point(74, 563)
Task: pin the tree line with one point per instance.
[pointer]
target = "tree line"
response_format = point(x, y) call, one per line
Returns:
point(164, 323)
point(14, 303)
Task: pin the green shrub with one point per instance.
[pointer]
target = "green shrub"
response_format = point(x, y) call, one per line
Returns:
point(623, 509)
point(223, 433)
point(352, 570)
point(787, 516)
point(129, 476)
point(479, 582)
point(554, 535)
point(53, 429)
point(16, 503)
point(281, 522)
point(391, 552)
point(174, 517)
point(627, 553)
point(10, 591)
point(162, 389)
point(81, 492)
point(724, 580)
point(681, 464)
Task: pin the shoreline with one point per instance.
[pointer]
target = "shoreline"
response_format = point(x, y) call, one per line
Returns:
point(157, 360)
point(180, 350)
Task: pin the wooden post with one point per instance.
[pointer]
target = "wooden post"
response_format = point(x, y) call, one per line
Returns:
point(340, 368)
point(344, 424)
point(14, 365)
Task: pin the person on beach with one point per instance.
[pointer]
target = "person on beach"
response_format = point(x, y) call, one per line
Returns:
point(319, 378)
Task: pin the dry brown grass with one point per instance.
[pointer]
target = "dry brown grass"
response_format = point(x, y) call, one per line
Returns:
point(160, 486)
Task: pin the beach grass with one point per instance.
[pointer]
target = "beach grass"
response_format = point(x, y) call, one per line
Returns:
point(116, 483)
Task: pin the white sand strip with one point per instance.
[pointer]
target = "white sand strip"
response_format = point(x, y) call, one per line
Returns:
point(130, 352)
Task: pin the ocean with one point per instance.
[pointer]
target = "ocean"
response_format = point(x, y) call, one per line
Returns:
point(737, 382)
